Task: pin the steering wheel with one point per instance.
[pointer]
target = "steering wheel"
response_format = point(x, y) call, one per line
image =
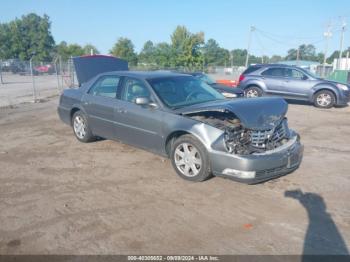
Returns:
point(196, 92)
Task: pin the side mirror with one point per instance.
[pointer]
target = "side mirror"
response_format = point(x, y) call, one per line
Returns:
point(142, 101)
point(304, 77)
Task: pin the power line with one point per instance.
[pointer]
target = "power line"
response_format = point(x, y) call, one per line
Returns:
point(287, 36)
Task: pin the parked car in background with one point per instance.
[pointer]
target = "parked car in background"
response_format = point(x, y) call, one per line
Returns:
point(228, 92)
point(292, 82)
point(44, 69)
point(15, 66)
point(183, 118)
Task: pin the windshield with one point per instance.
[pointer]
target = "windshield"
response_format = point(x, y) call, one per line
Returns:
point(179, 91)
point(206, 78)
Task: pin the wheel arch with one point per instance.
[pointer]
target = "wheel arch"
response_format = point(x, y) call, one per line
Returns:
point(172, 137)
point(257, 84)
point(176, 134)
point(75, 108)
point(324, 88)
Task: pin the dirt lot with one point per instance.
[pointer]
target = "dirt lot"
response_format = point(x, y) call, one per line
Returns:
point(59, 196)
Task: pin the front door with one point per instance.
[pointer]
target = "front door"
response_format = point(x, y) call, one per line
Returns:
point(296, 84)
point(136, 124)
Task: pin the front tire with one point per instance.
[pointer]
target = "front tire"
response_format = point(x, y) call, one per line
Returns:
point(324, 99)
point(190, 159)
point(253, 91)
point(81, 127)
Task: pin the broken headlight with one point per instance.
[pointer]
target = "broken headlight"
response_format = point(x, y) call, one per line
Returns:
point(237, 140)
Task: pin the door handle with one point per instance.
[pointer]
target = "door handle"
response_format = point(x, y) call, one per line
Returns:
point(121, 110)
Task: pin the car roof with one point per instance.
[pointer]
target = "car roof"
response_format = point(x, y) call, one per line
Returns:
point(146, 74)
point(274, 65)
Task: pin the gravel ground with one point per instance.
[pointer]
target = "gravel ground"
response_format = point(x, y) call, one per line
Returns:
point(60, 196)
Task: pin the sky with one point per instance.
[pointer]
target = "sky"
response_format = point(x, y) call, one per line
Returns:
point(280, 24)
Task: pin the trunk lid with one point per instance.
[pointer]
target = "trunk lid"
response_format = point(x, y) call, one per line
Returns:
point(87, 67)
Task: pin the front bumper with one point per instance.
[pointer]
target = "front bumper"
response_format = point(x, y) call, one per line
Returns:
point(267, 165)
point(344, 98)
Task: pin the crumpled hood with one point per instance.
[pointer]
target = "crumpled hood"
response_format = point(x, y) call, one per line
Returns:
point(254, 113)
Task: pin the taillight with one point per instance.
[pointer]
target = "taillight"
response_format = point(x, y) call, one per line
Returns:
point(241, 78)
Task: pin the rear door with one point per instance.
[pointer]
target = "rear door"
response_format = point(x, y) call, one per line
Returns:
point(100, 104)
point(296, 84)
point(273, 78)
point(136, 124)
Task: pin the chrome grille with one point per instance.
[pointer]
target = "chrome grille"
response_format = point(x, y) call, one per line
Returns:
point(259, 138)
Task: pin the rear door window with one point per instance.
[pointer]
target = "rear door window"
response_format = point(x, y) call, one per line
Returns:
point(106, 86)
point(251, 69)
point(274, 72)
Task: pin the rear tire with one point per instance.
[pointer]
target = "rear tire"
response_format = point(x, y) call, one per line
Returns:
point(324, 99)
point(81, 127)
point(253, 91)
point(190, 159)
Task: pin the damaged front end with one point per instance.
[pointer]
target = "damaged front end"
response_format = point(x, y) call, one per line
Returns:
point(255, 143)
point(241, 140)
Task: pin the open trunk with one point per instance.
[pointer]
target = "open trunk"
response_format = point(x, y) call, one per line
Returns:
point(87, 67)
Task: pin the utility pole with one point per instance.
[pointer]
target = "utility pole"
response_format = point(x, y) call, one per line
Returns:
point(298, 51)
point(1, 81)
point(252, 29)
point(327, 35)
point(33, 81)
point(341, 42)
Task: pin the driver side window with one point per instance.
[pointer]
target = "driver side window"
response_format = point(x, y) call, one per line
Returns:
point(134, 88)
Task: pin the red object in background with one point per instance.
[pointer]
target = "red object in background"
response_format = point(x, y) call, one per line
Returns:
point(227, 82)
point(241, 78)
point(43, 69)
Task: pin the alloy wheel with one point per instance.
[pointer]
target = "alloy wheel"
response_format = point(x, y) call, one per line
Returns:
point(324, 99)
point(187, 159)
point(252, 93)
point(79, 126)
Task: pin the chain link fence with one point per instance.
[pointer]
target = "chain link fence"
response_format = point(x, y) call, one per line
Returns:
point(35, 81)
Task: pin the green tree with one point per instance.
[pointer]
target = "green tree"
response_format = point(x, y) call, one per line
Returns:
point(239, 57)
point(147, 54)
point(87, 49)
point(214, 54)
point(186, 48)
point(5, 42)
point(124, 49)
point(66, 51)
point(163, 55)
point(306, 52)
point(21, 38)
point(276, 58)
point(335, 55)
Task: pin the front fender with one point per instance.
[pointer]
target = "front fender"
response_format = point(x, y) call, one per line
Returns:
point(205, 133)
point(319, 87)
